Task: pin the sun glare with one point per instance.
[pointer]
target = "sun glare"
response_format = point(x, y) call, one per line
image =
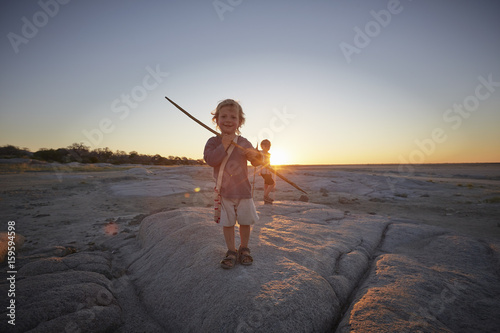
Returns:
point(278, 157)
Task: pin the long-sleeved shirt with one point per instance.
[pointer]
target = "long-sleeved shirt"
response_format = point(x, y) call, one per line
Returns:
point(235, 184)
point(266, 161)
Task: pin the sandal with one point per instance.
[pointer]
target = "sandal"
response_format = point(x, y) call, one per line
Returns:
point(230, 260)
point(268, 200)
point(245, 259)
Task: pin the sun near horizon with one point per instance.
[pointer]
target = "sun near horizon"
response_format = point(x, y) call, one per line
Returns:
point(279, 157)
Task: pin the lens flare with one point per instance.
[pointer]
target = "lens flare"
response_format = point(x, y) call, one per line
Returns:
point(111, 228)
point(279, 157)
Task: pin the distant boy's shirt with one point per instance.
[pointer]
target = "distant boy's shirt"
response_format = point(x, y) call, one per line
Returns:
point(266, 161)
point(235, 184)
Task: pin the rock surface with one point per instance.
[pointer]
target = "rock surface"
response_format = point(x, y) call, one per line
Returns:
point(427, 280)
point(316, 270)
point(58, 290)
point(63, 293)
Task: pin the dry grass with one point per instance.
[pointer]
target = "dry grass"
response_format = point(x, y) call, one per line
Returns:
point(493, 200)
point(26, 167)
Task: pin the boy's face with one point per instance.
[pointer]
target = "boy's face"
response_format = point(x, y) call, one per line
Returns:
point(265, 146)
point(229, 119)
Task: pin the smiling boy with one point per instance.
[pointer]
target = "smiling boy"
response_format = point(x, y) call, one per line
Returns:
point(235, 190)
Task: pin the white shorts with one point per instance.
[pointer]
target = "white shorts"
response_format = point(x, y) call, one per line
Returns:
point(241, 210)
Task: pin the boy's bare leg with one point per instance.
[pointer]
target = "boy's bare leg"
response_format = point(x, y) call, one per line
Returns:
point(230, 259)
point(245, 235)
point(245, 257)
point(229, 237)
point(267, 191)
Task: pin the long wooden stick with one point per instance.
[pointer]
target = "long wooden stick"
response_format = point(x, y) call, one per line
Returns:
point(237, 145)
point(254, 170)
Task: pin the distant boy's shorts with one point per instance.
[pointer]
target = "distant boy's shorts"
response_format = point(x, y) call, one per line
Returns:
point(241, 210)
point(268, 178)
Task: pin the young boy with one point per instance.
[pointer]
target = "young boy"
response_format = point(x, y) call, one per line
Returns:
point(269, 183)
point(236, 196)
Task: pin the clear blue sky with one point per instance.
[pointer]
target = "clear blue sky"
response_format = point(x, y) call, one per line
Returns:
point(329, 82)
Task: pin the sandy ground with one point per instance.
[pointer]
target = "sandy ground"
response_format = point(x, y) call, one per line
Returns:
point(72, 206)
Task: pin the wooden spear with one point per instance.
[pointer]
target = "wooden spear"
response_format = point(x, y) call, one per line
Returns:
point(254, 170)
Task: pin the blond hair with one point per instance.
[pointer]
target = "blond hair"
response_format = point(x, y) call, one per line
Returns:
point(229, 102)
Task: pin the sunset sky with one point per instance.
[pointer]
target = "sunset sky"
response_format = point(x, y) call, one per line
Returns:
point(328, 82)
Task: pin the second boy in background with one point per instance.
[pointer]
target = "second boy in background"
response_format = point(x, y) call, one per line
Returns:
point(269, 183)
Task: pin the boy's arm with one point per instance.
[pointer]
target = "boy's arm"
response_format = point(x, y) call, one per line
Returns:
point(214, 152)
point(253, 155)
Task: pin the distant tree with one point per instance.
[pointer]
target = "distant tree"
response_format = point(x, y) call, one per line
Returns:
point(79, 152)
point(79, 147)
point(159, 160)
point(10, 151)
point(119, 157)
point(103, 155)
point(52, 155)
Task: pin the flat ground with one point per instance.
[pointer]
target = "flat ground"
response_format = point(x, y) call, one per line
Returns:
point(71, 205)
